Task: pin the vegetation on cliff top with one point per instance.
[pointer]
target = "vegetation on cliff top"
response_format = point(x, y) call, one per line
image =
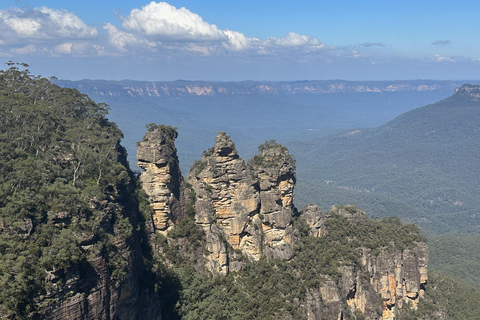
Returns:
point(275, 289)
point(63, 178)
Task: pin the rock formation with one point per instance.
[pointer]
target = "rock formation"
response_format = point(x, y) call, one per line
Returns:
point(98, 287)
point(250, 206)
point(399, 277)
point(246, 211)
point(161, 178)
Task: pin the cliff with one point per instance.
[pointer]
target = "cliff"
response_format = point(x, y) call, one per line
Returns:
point(246, 214)
point(129, 88)
point(250, 206)
point(70, 224)
point(398, 276)
point(161, 177)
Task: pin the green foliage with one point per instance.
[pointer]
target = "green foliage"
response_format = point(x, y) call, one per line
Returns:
point(445, 298)
point(168, 133)
point(272, 155)
point(198, 166)
point(269, 145)
point(277, 289)
point(456, 255)
point(187, 228)
point(262, 290)
point(418, 166)
point(62, 185)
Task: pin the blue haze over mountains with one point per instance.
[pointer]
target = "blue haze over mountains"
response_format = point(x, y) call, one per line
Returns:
point(330, 169)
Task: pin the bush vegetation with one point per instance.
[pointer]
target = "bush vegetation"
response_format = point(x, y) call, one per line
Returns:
point(63, 178)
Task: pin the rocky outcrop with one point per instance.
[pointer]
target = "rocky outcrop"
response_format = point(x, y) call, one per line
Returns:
point(470, 91)
point(89, 292)
point(244, 209)
point(390, 275)
point(161, 176)
point(109, 282)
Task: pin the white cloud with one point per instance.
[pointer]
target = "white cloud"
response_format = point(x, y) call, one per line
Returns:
point(165, 22)
point(440, 58)
point(23, 27)
point(157, 30)
point(77, 48)
point(64, 48)
point(121, 40)
point(169, 28)
point(42, 24)
point(293, 39)
point(238, 41)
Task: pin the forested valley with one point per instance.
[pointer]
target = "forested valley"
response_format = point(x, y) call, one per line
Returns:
point(77, 237)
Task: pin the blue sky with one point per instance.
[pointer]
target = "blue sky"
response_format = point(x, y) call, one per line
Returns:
point(243, 40)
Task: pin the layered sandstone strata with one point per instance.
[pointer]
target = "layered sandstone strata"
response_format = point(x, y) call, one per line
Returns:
point(161, 176)
point(396, 276)
point(247, 208)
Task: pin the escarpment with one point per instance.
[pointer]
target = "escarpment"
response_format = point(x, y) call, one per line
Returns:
point(70, 223)
point(246, 212)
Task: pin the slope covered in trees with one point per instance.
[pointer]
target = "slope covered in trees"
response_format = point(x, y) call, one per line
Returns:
point(66, 210)
point(423, 162)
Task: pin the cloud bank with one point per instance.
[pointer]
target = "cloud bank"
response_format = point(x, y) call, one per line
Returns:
point(156, 28)
point(159, 34)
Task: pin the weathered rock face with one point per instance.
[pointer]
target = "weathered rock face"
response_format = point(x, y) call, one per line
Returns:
point(89, 289)
point(395, 277)
point(245, 208)
point(161, 178)
point(90, 293)
point(399, 277)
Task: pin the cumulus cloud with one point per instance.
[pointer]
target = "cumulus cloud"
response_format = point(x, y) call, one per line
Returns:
point(442, 42)
point(238, 41)
point(157, 28)
point(78, 49)
point(293, 39)
point(42, 24)
point(170, 28)
point(121, 40)
point(165, 22)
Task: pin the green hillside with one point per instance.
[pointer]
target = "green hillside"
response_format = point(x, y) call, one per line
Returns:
point(64, 190)
point(425, 161)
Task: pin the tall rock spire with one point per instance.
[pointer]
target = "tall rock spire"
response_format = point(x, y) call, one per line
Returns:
point(161, 178)
point(247, 206)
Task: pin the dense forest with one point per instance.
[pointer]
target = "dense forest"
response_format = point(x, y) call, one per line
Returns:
point(69, 206)
point(63, 182)
point(422, 162)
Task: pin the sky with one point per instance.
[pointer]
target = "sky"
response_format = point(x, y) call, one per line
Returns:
point(233, 40)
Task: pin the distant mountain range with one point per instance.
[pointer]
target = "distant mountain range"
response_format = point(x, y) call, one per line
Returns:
point(181, 88)
point(421, 166)
point(253, 112)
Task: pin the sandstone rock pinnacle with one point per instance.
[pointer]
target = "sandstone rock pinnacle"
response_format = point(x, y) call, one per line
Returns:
point(161, 178)
point(250, 206)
